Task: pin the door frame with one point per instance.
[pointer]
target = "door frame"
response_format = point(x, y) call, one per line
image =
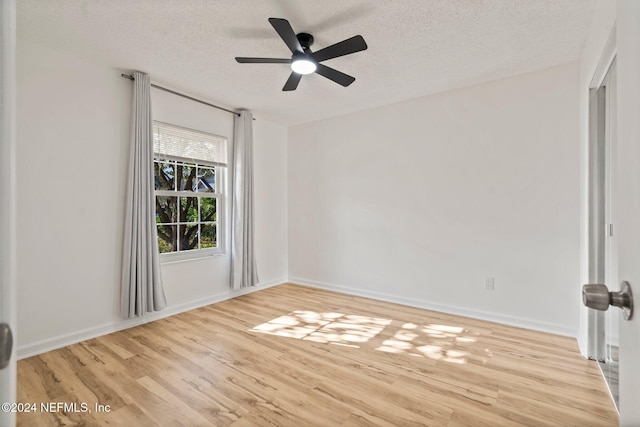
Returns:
point(596, 348)
point(8, 286)
point(628, 200)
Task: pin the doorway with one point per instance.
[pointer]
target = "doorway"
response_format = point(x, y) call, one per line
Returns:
point(609, 365)
point(603, 257)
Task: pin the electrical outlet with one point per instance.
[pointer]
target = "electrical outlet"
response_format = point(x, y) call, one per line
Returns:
point(489, 283)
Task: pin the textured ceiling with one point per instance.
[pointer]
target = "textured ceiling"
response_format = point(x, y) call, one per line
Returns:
point(416, 47)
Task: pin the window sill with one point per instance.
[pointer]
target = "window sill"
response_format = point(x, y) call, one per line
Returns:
point(166, 260)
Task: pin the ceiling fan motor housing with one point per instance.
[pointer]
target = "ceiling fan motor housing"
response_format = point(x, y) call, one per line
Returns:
point(305, 39)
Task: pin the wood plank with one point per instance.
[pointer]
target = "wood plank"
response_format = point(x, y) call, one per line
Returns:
point(292, 355)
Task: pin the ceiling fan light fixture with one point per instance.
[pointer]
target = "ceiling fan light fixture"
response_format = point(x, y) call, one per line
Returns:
point(303, 65)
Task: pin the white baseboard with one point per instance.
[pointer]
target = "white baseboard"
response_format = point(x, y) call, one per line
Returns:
point(39, 347)
point(444, 308)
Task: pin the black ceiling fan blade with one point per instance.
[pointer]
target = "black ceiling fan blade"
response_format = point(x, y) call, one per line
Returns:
point(292, 82)
point(345, 47)
point(283, 28)
point(335, 75)
point(244, 60)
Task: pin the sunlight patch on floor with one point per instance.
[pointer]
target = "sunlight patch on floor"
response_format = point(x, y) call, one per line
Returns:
point(331, 328)
point(433, 341)
point(447, 343)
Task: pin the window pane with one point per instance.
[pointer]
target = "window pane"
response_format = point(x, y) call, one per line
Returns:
point(164, 175)
point(207, 209)
point(206, 180)
point(188, 237)
point(166, 209)
point(187, 176)
point(167, 238)
point(186, 202)
point(188, 209)
point(208, 236)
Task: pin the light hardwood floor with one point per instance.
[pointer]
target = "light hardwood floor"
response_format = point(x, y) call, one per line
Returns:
point(297, 356)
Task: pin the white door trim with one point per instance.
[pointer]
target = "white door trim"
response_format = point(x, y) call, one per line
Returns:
point(8, 312)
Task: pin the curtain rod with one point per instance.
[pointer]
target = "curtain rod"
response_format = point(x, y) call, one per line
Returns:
point(127, 76)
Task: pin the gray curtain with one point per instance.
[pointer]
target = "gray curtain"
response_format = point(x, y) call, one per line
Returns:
point(243, 263)
point(142, 289)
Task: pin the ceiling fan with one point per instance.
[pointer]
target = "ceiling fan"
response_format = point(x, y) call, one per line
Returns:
point(304, 61)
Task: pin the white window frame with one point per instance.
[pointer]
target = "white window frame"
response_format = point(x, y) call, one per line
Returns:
point(220, 195)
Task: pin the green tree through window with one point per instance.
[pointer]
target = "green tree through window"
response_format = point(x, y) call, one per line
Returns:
point(188, 201)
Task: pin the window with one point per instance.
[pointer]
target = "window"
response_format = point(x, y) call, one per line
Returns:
point(189, 168)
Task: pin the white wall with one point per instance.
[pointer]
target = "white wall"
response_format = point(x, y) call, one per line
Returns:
point(73, 131)
point(270, 152)
point(417, 202)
